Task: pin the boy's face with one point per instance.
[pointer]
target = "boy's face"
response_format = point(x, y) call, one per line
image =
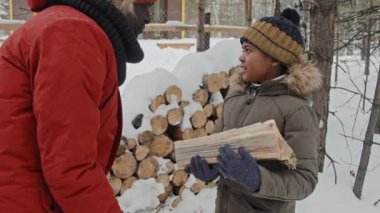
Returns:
point(256, 66)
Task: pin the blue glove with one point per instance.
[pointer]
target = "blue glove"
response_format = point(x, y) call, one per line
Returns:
point(202, 170)
point(241, 167)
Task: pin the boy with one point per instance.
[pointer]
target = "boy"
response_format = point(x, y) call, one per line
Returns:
point(278, 85)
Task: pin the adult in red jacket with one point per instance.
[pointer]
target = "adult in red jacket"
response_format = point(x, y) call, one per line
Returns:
point(60, 114)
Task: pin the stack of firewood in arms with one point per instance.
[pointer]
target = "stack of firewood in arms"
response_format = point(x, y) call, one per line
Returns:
point(151, 154)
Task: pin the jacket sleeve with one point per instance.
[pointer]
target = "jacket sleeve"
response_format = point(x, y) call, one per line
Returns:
point(67, 91)
point(300, 132)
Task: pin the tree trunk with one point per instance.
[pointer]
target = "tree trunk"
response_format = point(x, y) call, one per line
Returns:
point(248, 12)
point(277, 8)
point(201, 26)
point(323, 16)
point(368, 140)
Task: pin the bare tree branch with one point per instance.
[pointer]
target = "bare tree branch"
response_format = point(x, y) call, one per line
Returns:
point(357, 139)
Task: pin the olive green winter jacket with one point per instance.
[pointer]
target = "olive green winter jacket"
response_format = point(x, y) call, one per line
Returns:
point(285, 101)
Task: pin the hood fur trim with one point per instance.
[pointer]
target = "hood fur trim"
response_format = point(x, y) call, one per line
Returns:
point(303, 79)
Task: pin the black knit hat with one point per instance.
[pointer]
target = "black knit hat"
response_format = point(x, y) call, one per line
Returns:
point(278, 36)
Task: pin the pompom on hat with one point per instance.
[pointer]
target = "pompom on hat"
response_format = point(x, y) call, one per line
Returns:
point(278, 36)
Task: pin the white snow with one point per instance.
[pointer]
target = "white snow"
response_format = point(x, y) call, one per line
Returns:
point(162, 68)
point(142, 196)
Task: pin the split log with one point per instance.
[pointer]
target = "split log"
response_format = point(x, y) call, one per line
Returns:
point(148, 168)
point(137, 121)
point(146, 137)
point(212, 82)
point(141, 152)
point(159, 124)
point(174, 116)
point(124, 166)
point(197, 186)
point(200, 132)
point(157, 102)
point(209, 127)
point(115, 183)
point(209, 108)
point(131, 144)
point(179, 178)
point(173, 93)
point(198, 119)
point(201, 96)
point(262, 140)
point(127, 184)
point(161, 146)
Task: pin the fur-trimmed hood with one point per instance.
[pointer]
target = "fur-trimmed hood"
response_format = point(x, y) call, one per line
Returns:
point(301, 80)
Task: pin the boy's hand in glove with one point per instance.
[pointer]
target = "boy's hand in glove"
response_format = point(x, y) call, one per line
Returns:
point(202, 170)
point(240, 167)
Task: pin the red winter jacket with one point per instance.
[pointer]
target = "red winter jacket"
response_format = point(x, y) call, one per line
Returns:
point(60, 120)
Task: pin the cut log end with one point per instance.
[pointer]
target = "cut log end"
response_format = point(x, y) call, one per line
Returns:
point(159, 124)
point(179, 178)
point(201, 96)
point(148, 168)
point(175, 116)
point(198, 119)
point(141, 152)
point(173, 94)
point(161, 146)
point(157, 102)
point(212, 82)
point(146, 137)
point(124, 166)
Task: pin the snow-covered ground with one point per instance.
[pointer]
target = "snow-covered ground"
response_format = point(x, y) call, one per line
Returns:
point(161, 68)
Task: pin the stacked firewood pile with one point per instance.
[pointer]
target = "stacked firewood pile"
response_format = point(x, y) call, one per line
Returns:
point(151, 155)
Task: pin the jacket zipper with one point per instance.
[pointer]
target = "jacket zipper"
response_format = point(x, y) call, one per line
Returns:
point(251, 101)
